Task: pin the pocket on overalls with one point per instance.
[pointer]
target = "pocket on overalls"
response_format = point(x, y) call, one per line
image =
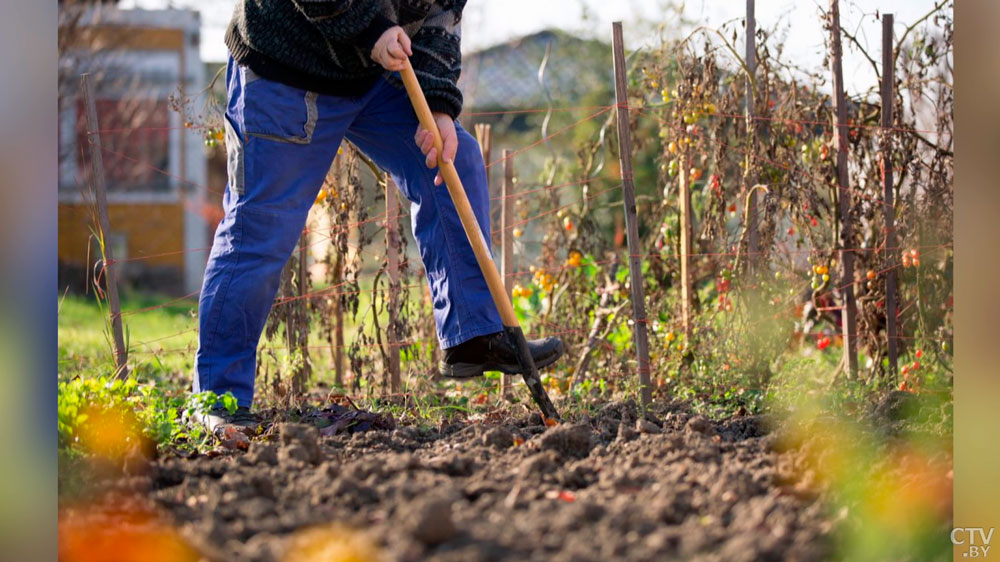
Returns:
point(234, 158)
point(278, 112)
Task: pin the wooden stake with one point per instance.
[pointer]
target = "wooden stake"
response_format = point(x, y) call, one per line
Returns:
point(507, 239)
point(101, 197)
point(631, 218)
point(338, 327)
point(889, 211)
point(484, 136)
point(684, 202)
point(301, 376)
point(392, 245)
point(840, 135)
point(338, 310)
point(753, 236)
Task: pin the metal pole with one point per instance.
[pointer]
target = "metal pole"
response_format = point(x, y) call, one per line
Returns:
point(101, 197)
point(889, 212)
point(846, 257)
point(631, 218)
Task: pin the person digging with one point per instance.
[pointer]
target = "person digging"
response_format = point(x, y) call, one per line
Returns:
point(303, 75)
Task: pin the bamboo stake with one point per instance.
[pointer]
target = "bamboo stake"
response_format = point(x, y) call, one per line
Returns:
point(101, 197)
point(631, 218)
point(684, 202)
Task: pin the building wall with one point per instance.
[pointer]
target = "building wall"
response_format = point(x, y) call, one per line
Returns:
point(148, 230)
point(136, 55)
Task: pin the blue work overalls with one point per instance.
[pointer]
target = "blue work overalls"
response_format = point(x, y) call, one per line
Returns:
point(281, 142)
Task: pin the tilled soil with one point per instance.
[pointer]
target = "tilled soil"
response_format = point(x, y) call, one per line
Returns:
point(612, 486)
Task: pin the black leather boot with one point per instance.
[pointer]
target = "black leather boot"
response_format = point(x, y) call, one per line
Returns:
point(494, 353)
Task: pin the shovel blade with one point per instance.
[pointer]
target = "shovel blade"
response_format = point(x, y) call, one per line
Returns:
point(515, 335)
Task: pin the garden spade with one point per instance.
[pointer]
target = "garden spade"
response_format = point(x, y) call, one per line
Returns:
point(512, 328)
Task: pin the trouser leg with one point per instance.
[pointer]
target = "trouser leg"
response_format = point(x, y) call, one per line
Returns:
point(279, 152)
point(384, 130)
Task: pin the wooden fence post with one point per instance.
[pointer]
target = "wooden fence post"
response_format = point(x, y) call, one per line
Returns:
point(631, 218)
point(753, 234)
point(684, 202)
point(507, 239)
point(840, 135)
point(101, 198)
point(889, 211)
point(392, 245)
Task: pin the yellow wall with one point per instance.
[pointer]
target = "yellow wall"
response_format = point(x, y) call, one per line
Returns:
point(101, 37)
point(149, 229)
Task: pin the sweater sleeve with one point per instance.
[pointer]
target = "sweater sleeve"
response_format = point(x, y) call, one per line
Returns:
point(358, 22)
point(437, 57)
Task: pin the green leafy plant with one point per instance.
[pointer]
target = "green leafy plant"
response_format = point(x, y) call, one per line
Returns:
point(106, 415)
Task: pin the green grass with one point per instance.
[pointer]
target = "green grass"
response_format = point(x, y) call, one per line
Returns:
point(161, 341)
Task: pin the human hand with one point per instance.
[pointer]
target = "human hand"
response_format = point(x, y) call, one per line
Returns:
point(392, 48)
point(449, 140)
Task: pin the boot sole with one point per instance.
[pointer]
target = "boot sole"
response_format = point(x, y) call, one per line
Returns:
point(473, 370)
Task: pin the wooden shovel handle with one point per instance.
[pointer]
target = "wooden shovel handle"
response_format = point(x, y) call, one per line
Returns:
point(461, 200)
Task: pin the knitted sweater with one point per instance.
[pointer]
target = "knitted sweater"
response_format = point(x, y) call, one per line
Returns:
point(324, 45)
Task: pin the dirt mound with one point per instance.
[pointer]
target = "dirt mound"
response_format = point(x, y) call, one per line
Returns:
point(615, 485)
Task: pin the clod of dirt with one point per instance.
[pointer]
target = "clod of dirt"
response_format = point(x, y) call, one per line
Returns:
point(569, 440)
point(348, 490)
point(538, 465)
point(299, 442)
point(646, 427)
point(498, 438)
point(698, 424)
point(457, 465)
point(262, 453)
point(430, 521)
point(625, 432)
point(135, 462)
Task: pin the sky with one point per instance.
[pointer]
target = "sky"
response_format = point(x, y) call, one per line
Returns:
point(487, 22)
